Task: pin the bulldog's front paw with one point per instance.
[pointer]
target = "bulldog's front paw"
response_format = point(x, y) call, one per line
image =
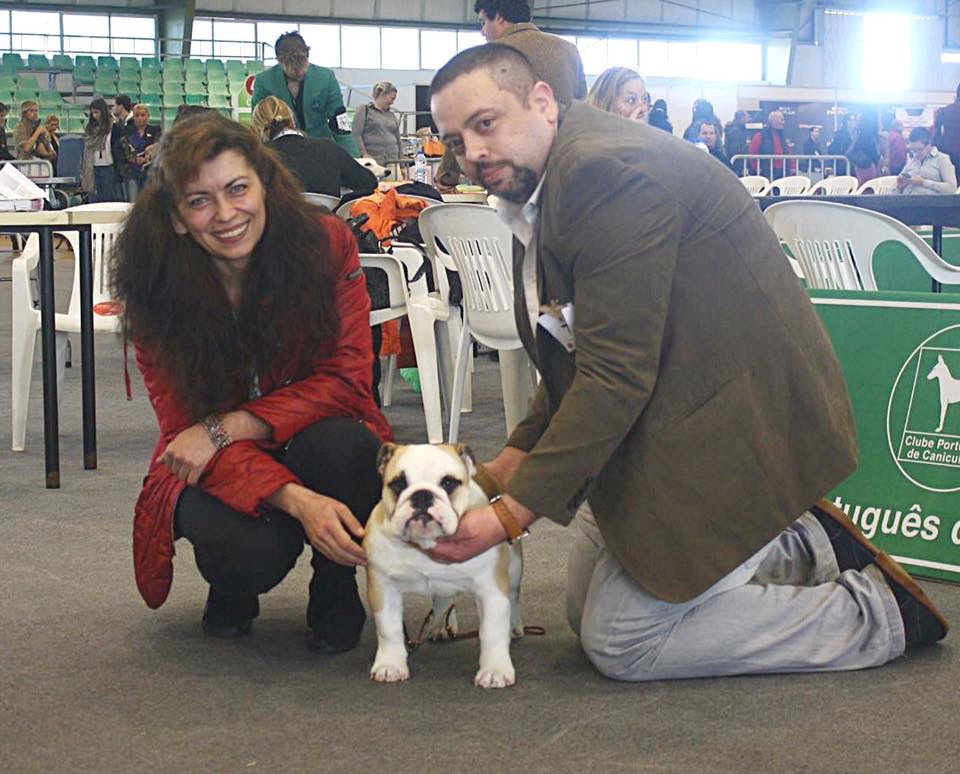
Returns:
point(389, 670)
point(495, 677)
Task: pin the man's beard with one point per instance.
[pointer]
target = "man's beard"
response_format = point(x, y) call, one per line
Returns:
point(520, 186)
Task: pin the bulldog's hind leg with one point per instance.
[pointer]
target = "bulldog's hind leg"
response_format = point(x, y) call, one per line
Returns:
point(386, 604)
point(496, 668)
point(443, 626)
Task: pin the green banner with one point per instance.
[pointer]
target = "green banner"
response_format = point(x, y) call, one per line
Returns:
point(900, 353)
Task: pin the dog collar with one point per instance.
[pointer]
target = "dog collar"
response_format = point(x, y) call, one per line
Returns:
point(514, 531)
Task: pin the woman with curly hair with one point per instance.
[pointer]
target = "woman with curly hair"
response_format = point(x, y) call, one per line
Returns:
point(250, 317)
point(621, 91)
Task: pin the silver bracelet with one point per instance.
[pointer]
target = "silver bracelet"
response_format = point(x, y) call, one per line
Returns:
point(217, 433)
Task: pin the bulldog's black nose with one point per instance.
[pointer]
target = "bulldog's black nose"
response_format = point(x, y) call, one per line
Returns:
point(421, 499)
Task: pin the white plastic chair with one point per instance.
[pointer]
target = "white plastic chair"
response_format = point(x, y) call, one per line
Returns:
point(412, 299)
point(478, 245)
point(834, 243)
point(26, 318)
point(838, 185)
point(791, 185)
point(879, 186)
point(755, 184)
point(323, 200)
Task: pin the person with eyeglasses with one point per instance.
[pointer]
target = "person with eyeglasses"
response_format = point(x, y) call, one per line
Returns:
point(312, 92)
point(928, 171)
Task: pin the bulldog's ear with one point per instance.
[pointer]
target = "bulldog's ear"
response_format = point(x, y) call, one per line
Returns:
point(384, 455)
point(469, 461)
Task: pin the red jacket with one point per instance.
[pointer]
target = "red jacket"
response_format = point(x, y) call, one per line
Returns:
point(244, 475)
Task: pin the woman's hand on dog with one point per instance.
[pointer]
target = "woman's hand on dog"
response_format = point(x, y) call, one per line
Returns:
point(329, 525)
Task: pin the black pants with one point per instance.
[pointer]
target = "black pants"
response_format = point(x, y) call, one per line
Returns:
point(237, 554)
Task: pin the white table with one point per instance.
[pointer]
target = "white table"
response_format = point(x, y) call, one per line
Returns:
point(466, 198)
point(44, 224)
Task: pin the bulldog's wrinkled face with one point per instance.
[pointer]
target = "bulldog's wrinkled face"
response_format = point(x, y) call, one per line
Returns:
point(425, 489)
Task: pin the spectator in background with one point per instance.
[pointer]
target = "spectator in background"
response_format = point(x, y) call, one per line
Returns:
point(929, 171)
point(312, 92)
point(864, 152)
point(5, 154)
point(946, 126)
point(101, 155)
point(897, 147)
point(321, 166)
point(843, 138)
point(375, 126)
point(702, 111)
point(770, 141)
point(811, 147)
point(707, 134)
point(30, 138)
point(140, 148)
point(659, 117)
point(52, 125)
point(621, 91)
point(123, 110)
point(736, 139)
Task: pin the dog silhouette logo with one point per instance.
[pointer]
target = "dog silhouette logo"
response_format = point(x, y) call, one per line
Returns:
point(923, 435)
point(949, 388)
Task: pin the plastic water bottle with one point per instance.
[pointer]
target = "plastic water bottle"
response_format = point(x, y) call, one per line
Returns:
point(420, 166)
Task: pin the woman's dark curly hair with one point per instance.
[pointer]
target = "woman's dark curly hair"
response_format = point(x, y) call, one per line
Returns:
point(175, 306)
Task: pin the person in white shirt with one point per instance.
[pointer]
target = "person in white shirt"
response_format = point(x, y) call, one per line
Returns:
point(928, 171)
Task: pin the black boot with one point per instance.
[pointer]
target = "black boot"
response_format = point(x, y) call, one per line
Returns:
point(229, 615)
point(335, 614)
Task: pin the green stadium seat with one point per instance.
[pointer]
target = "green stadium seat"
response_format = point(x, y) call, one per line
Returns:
point(22, 95)
point(6, 97)
point(225, 112)
point(129, 63)
point(152, 99)
point(13, 60)
point(236, 68)
point(50, 99)
point(84, 76)
point(107, 62)
point(195, 87)
point(218, 101)
point(196, 99)
point(169, 114)
point(63, 62)
point(84, 60)
point(217, 87)
point(150, 84)
point(37, 62)
point(8, 84)
point(215, 66)
point(149, 64)
point(28, 83)
point(194, 66)
point(125, 86)
point(74, 124)
point(255, 66)
point(105, 88)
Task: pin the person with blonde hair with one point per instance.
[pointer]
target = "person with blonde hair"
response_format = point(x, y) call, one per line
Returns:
point(621, 91)
point(321, 166)
point(31, 138)
point(312, 92)
point(375, 126)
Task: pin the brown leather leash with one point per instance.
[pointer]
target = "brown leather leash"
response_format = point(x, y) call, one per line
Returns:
point(416, 642)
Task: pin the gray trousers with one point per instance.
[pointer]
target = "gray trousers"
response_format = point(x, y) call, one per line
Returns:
point(786, 609)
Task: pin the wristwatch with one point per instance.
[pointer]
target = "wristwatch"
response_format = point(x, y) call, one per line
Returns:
point(514, 531)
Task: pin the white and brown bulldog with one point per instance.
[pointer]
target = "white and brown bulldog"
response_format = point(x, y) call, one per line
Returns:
point(425, 491)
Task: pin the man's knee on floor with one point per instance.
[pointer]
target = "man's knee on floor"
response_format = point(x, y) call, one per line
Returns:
point(627, 656)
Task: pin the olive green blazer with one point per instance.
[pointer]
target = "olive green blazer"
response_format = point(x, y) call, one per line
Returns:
point(704, 408)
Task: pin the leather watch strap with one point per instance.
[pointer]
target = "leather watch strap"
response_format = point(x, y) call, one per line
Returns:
point(514, 531)
point(487, 481)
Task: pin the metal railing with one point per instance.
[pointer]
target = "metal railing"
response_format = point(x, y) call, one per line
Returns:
point(772, 166)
